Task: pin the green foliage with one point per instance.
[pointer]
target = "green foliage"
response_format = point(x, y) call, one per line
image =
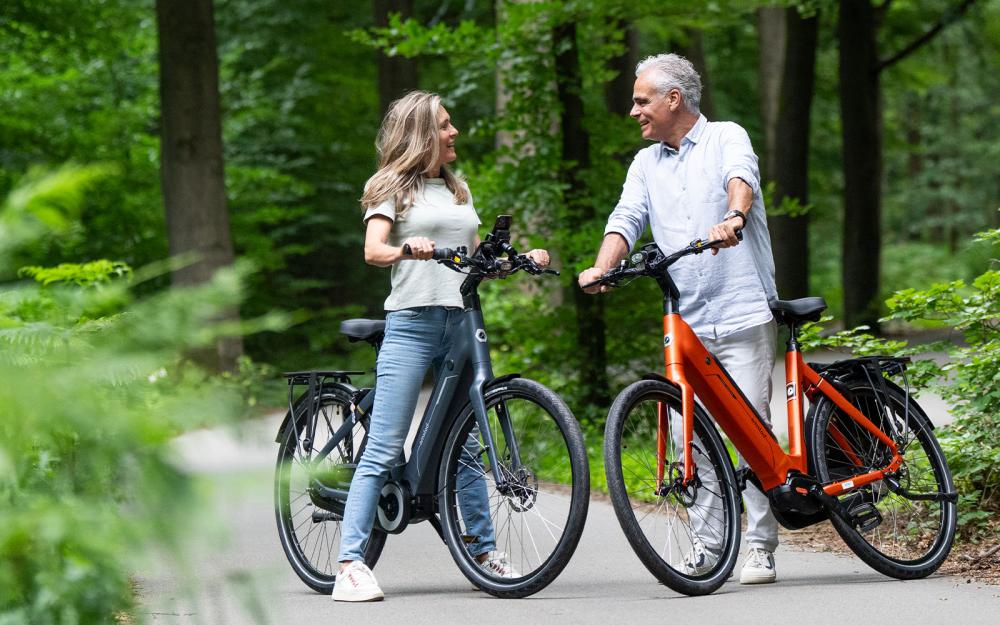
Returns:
point(969, 382)
point(96, 386)
point(85, 274)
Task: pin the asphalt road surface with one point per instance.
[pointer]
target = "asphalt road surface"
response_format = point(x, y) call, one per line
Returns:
point(237, 574)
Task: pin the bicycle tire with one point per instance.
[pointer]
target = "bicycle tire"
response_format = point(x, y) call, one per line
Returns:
point(896, 549)
point(313, 553)
point(648, 515)
point(535, 507)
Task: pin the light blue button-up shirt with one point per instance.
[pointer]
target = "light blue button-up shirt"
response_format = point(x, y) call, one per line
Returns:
point(680, 194)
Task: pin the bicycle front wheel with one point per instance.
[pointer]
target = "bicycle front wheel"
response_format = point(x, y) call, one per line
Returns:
point(310, 534)
point(530, 523)
point(905, 538)
point(687, 535)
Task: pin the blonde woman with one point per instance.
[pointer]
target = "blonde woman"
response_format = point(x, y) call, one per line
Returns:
point(414, 200)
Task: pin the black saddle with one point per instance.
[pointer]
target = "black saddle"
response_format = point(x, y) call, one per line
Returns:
point(797, 310)
point(362, 329)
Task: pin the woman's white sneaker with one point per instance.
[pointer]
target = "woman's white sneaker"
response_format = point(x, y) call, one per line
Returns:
point(356, 583)
point(758, 567)
point(498, 565)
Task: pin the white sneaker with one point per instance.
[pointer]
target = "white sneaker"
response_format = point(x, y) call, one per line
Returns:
point(356, 583)
point(498, 565)
point(758, 567)
point(699, 560)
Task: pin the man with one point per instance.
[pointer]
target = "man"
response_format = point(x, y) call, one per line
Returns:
point(700, 180)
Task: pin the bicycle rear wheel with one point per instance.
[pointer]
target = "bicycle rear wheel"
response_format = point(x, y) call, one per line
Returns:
point(310, 535)
point(536, 518)
point(687, 536)
point(911, 538)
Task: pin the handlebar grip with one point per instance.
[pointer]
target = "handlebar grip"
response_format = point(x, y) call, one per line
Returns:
point(407, 250)
point(739, 234)
point(443, 253)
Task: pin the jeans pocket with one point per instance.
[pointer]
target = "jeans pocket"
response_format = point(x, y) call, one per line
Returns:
point(407, 314)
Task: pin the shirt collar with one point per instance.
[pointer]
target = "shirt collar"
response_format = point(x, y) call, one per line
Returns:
point(692, 136)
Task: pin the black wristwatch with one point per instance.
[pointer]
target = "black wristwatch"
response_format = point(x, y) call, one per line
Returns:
point(736, 213)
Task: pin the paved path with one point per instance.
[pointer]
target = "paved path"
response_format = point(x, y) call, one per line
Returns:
point(239, 575)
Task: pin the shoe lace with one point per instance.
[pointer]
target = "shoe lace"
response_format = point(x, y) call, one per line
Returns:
point(758, 559)
point(499, 565)
point(363, 572)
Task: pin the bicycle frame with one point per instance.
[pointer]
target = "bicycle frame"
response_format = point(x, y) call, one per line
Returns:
point(467, 365)
point(697, 372)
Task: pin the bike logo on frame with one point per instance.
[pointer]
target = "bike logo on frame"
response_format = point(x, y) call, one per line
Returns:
point(666, 340)
point(481, 335)
point(790, 391)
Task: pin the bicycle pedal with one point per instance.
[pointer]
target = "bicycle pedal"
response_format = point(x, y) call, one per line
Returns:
point(865, 517)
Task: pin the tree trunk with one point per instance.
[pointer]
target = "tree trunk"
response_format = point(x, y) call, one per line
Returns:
point(618, 91)
point(396, 75)
point(192, 175)
point(862, 135)
point(576, 158)
point(787, 122)
point(691, 48)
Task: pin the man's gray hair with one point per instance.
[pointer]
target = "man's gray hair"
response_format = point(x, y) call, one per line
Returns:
point(672, 71)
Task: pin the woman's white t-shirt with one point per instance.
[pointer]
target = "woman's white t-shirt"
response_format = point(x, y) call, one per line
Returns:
point(435, 215)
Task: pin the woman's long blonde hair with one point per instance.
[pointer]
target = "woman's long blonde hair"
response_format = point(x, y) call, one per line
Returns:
point(408, 147)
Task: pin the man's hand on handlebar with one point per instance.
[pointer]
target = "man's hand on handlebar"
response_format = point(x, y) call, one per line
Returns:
point(725, 234)
point(587, 276)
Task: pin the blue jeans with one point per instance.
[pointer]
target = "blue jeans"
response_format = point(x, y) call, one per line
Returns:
point(415, 338)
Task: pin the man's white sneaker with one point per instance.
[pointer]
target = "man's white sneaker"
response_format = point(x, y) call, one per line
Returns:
point(356, 583)
point(758, 567)
point(498, 565)
point(699, 560)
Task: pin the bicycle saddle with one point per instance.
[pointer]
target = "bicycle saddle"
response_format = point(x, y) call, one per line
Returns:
point(362, 329)
point(797, 310)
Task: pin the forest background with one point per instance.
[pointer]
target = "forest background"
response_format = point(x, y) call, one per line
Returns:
point(235, 138)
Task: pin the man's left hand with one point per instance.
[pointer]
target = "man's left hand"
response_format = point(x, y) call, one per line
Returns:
point(725, 232)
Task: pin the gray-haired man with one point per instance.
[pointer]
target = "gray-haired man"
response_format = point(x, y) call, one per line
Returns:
point(701, 180)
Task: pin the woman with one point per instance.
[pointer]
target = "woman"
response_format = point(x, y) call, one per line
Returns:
point(413, 199)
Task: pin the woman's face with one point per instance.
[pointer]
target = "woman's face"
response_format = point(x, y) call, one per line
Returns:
point(446, 135)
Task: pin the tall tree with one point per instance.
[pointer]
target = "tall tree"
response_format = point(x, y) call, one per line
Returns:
point(618, 90)
point(861, 122)
point(192, 176)
point(787, 68)
point(396, 74)
point(576, 160)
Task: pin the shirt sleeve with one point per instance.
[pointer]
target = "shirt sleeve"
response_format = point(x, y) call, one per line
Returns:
point(386, 209)
point(738, 159)
point(631, 215)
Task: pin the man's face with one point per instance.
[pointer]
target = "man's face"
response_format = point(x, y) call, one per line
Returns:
point(654, 111)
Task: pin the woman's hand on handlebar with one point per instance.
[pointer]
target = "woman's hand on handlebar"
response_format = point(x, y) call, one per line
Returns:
point(540, 257)
point(419, 248)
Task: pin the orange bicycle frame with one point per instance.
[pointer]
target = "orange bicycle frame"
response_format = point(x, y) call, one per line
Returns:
point(697, 373)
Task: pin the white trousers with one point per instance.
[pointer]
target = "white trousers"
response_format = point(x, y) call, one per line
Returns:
point(748, 356)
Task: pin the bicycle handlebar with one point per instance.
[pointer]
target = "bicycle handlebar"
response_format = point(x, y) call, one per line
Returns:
point(647, 263)
point(493, 267)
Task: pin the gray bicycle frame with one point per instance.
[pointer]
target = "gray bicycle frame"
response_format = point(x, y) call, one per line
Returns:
point(467, 365)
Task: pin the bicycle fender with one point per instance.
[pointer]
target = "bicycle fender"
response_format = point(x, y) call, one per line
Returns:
point(349, 389)
point(658, 378)
point(496, 385)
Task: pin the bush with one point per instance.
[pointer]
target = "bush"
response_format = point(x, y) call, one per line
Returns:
point(969, 382)
point(95, 385)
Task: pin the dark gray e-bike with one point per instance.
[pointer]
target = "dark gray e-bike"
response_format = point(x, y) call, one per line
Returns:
point(507, 440)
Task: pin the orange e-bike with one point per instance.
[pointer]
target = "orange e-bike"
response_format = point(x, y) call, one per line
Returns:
point(864, 457)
